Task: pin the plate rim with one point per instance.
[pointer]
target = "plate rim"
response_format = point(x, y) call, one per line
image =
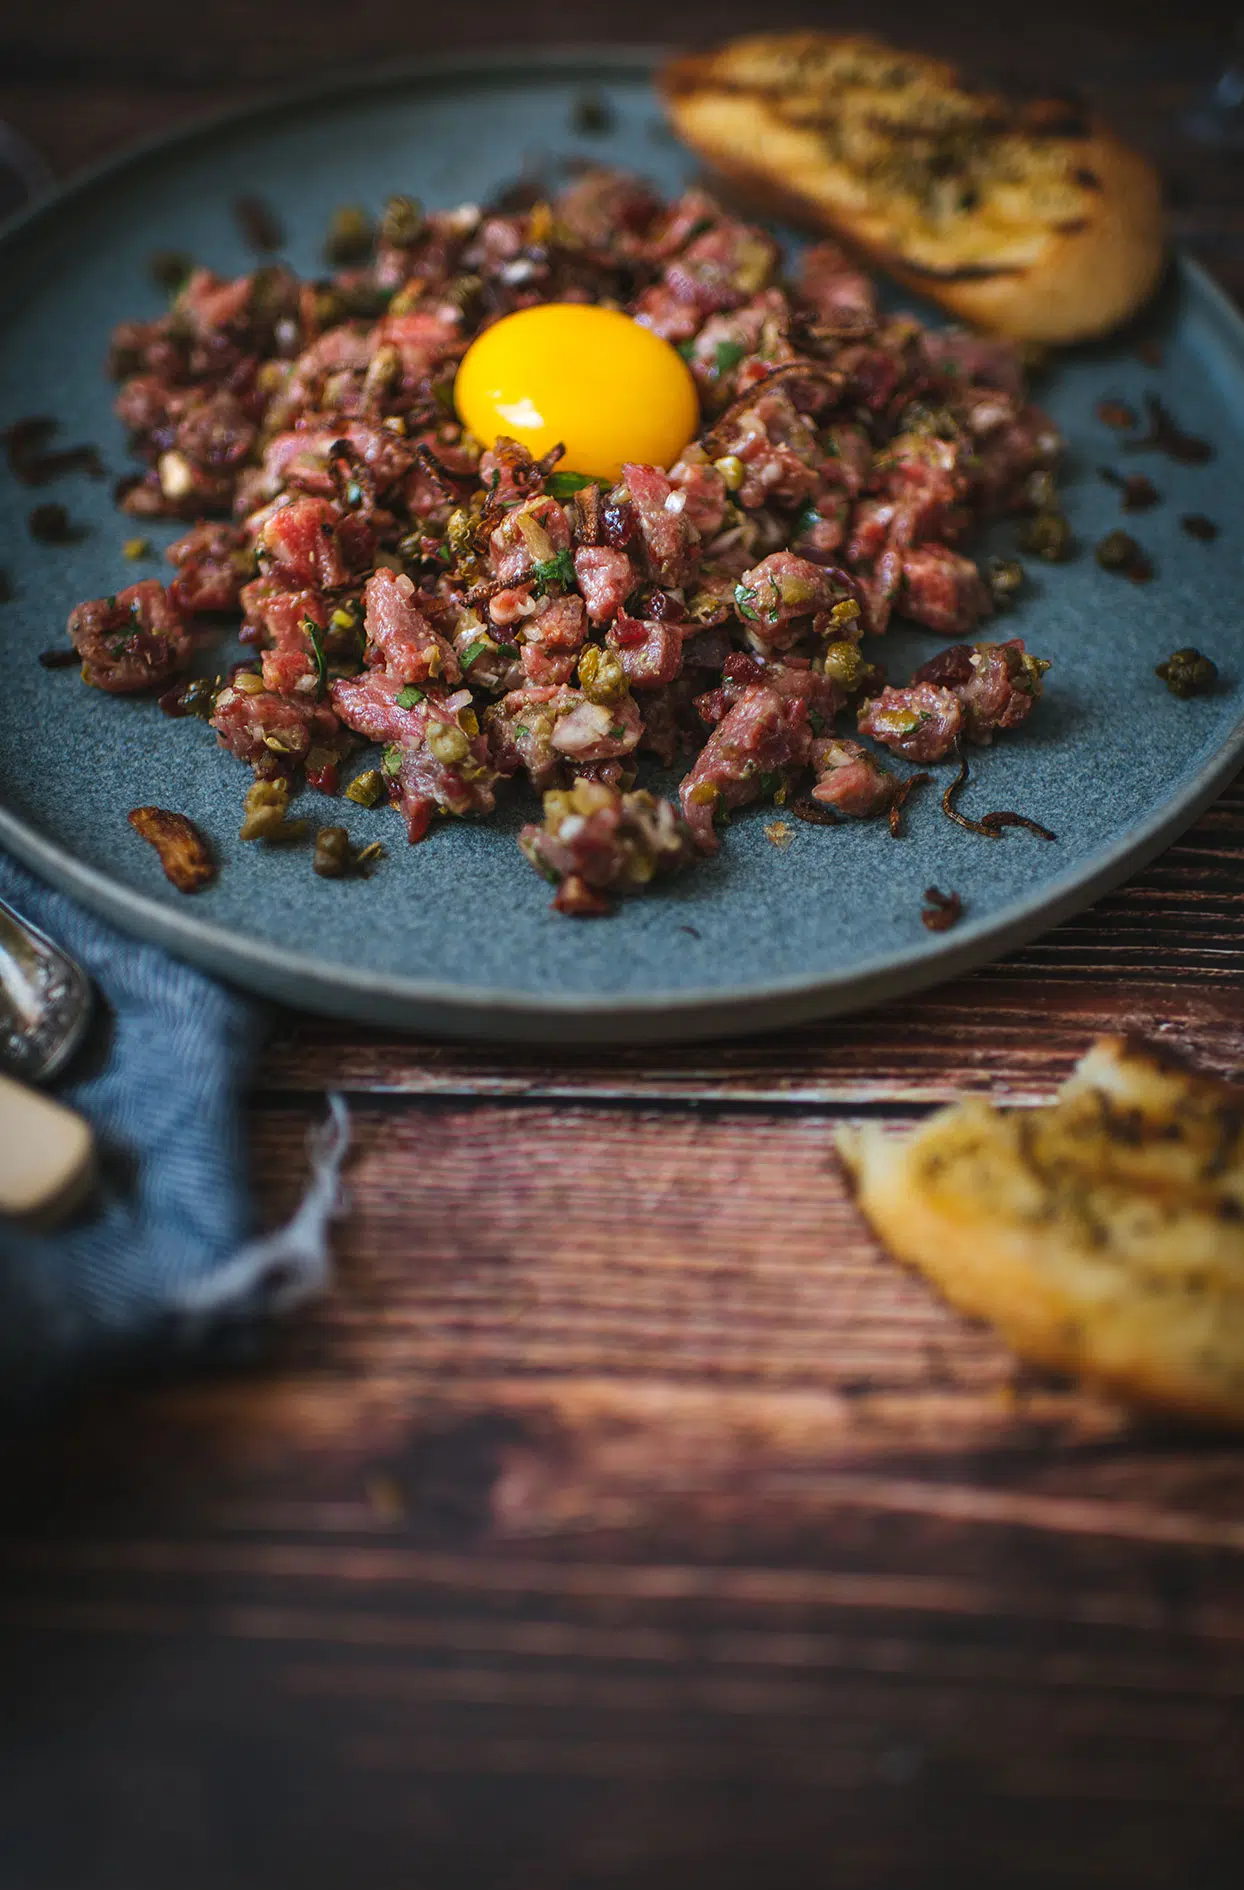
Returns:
point(457, 1009)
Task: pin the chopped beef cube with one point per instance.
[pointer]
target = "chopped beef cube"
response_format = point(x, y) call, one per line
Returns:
point(668, 538)
point(996, 683)
point(301, 457)
point(766, 731)
point(378, 706)
point(851, 780)
point(777, 448)
point(132, 642)
point(438, 760)
point(554, 634)
point(399, 636)
point(446, 770)
point(650, 652)
point(213, 563)
point(728, 340)
point(841, 296)
point(783, 590)
point(539, 729)
point(215, 432)
point(601, 207)
point(424, 341)
point(923, 721)
point(309, 542)
point(943, 590)
point(529, 542)
point(704, 489)
point(607, 840)
point(273, 732)
point(290, 665)
point(606, 579)
point(975, 358)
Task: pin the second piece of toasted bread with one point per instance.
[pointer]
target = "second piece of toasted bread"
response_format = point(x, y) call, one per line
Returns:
point(1103, 1235)
point(1026, 218)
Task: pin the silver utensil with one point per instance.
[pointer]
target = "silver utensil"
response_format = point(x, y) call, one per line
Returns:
point(45, 1001)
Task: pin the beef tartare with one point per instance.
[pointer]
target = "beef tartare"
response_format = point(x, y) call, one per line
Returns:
point(486, 616)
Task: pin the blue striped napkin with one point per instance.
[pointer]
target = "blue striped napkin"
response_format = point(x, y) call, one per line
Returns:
point(160, 1262)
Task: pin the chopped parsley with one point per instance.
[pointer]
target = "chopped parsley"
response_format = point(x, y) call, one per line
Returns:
point(555, 570)
point(479, 648)
point(315, 636)
point(727, 355)
point(617, 732)
point(743, 601)
point(563, 485)
point(508, 649)
point(808, 518)
point(687, 350)
point(816, 721)
point(391, 760)
point(407, 698)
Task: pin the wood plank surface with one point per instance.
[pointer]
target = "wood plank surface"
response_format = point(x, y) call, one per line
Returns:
point(624, 1516)
point(1164, 955)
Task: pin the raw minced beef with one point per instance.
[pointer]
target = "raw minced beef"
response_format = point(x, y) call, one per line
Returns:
point(487, 618)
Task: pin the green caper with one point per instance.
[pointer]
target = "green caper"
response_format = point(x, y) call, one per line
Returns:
point(1005, 577)
point(402, 222)
point(367, 789)
point(1188, 673)
point(333, 854)
point(844, 664)
point(1117, 551)
point(266, 812)
point(1048, 535)
point(350, 235)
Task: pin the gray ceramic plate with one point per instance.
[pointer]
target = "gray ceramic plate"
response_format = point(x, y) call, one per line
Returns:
point(455, 935)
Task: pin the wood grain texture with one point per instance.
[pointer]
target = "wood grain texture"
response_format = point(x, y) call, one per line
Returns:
point(625, 1517)
point(1163, 955)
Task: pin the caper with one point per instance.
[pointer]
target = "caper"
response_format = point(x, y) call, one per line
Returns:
point(1188, 673)
point(843, 664)
point(601, 675)
point(333, 855)
point(1116, 551)
point(1005, 577)
point(448, 742)
point(402, 222)
point(350, 235)
point(367, 789)
point(266, 813)
point(1048, 535)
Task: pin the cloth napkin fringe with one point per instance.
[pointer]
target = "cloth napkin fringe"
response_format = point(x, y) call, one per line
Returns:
point(283, 1269)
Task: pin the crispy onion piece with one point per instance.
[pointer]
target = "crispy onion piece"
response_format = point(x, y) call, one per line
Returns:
point(184, 853)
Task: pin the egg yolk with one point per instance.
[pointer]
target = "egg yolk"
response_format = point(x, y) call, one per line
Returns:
point(590, 378)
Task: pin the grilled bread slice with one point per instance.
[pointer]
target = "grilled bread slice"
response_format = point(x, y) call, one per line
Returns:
point(1103, 1235)
point(1027, 218)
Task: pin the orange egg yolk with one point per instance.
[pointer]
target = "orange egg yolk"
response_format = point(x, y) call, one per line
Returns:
point(590, 379)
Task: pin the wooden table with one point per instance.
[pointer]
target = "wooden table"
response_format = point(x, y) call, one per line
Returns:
point(625, 1516)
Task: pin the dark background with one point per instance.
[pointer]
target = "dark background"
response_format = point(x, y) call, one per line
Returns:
point(625, 1518)
point(77, 75)
point(80, 78)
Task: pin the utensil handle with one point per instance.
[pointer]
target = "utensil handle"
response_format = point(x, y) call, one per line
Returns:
point(47, 1156)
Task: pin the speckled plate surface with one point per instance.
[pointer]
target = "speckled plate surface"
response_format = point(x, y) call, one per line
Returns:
point(455, 935)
